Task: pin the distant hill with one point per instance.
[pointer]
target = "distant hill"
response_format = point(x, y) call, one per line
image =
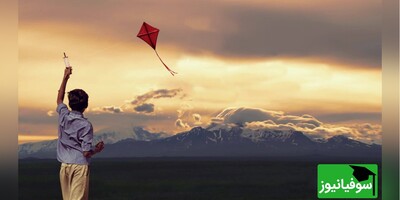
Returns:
point(232, 142)
point(47, 149)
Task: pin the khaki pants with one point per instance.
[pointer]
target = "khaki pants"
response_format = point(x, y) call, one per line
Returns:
point(74, 181)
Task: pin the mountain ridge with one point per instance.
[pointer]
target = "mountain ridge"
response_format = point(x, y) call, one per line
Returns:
point(235, 141)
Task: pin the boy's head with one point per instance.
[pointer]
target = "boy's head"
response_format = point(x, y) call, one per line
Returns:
point(78, 100)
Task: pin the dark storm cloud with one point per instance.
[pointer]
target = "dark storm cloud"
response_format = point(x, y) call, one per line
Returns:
point(140, 102)
point(113, 109)
point(146, 108)
point(269, 33)
point(234, 30)
point(156, 94)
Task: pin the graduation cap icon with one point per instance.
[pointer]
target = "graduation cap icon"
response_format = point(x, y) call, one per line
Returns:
point(362, 174)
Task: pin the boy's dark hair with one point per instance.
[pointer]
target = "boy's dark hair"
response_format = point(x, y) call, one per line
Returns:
point(78, 100)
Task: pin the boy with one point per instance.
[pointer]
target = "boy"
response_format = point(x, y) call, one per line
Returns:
point(74, 146)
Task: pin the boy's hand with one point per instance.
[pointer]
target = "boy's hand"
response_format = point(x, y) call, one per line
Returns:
point(87, 154)
point(99, 147)
point(67, 72)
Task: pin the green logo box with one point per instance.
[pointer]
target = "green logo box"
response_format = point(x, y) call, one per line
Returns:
point(347, 181)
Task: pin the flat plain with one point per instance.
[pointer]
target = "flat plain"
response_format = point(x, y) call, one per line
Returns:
point(181, 178)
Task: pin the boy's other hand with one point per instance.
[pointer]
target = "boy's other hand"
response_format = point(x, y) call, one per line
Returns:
point(99, 146)
point(67, 72)
point(87, 154)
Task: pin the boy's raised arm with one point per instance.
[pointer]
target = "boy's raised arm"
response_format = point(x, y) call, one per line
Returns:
point(61, 91)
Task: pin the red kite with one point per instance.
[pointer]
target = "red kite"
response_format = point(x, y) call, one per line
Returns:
point(149, 35)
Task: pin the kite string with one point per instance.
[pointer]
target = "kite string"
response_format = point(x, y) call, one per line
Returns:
point(170, 71)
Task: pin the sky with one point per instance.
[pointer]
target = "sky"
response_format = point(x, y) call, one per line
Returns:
point(237, 61)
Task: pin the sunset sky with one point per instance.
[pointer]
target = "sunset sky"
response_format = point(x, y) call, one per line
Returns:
point(301, 59)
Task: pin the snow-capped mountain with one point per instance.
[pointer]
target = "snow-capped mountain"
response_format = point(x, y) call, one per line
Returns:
point(241, 142)
point(42, 149)
point(342, 145)
point(108, 136)
point(233, 141)
point(113, 135)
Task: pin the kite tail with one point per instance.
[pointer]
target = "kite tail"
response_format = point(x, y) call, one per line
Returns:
point(170, 71)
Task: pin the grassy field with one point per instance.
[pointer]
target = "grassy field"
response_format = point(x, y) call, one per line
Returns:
point(177, 178)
